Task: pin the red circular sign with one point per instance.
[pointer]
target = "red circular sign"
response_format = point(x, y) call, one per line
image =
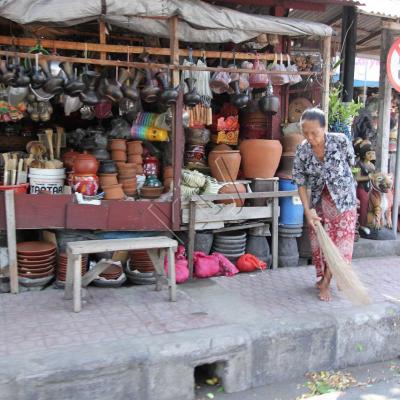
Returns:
point(393, 65)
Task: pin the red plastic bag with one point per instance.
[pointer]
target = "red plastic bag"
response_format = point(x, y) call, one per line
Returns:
point(181, 265)
point(259, 80)
point(226, 267)
point(249, 263)
point(205, 266)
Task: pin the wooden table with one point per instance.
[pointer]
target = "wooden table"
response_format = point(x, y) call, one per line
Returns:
point(156, 246)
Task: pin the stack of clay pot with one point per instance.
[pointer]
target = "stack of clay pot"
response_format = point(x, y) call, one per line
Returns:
point(108, 173)
point(168, 177)
point(118, 150)
point(224, 163)
point(62, 268)
point(289, 144)
point(135, 151)
point(127, 178)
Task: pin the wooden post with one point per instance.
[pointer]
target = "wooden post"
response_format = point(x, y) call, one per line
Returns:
point(385, 104)
point(103, 38)
point(191, 235)
point(326, 78)
point(275, 230)
point(11, 241)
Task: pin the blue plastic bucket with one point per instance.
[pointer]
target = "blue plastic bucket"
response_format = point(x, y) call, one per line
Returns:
point(291, 208)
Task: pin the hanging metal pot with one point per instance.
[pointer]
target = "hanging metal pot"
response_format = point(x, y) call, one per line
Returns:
point(73, 86)
point(269, 103)
point(238, 99)
point(191, 98)
point(169, 95)
point(89, 96)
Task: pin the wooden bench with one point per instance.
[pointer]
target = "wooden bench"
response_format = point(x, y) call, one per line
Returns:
point(156, 246)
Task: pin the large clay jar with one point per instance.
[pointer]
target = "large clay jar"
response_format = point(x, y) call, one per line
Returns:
point(290, 143)
point(135, 147)
point(260, 157)
point(85, 164)
point(224, 164)
point(69, 158)
point(232, 188)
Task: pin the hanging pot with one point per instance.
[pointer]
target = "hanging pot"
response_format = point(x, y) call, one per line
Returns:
point(7, 76)
point(22, 79)
point(89, 95)
point(73, 87)
point(111, 90)
point(150, 92)
point(131, 91)
point(238, 99)
point(38, 78)
point(169, 95)
point(269, 103)
point(191, 98)
point(53, 84)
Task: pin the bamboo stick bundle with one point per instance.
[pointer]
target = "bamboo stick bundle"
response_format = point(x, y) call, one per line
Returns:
point(342, 271)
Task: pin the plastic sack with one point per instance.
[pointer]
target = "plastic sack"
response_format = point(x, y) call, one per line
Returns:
point(205, 266)
point(258, 80)
point(226, 267)
point(71, 104)
point(249, 263)
point(278, 79)
point(295, 78)
point(181, 265)
point(219, 82)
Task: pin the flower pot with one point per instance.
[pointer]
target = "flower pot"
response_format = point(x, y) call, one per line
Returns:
point(85, 164)
point(118, 144)
point(113, 192)
point(125, 166)
point(260, 157)
point(128, 181)
point(135, 147)
point(118, 155)
point(108, 179)
point(127, 174)
point(233, 188)
point(224, 164)
point(139, 169)
point(135, 159)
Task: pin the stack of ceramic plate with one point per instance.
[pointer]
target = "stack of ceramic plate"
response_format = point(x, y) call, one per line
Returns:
point(36, 262)
point(231, 245)
point(112, 272)
point(113, 276)
point(62, 266)
point(140, 269)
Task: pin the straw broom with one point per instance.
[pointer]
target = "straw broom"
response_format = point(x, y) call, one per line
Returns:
point(346, 278)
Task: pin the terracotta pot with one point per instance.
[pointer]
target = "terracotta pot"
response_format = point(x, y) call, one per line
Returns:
point(260, 157)
point(85, 164)
point(113, 192)
point(87, 184)
point(222, 146)
point(127, 174)
point(68, 159)
point(107, 167)
point(118, 144)
point(108, 179)
point(224, 164)
point(151, 192)
point(233, 188)
point(139, 169)
point(128, 181)
point(118, 155)
point(120, 164)
point(167, 184)
point(135, 159)
point(290, 142)
point(125, 166)
point(135, 148)
point(168, 172)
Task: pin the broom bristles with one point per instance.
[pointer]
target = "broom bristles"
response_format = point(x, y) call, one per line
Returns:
point(342, 271)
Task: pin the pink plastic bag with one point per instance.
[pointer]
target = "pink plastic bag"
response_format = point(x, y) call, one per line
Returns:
point(226, 268)
point(181, 265)
point(259, 80)
point(205, 266)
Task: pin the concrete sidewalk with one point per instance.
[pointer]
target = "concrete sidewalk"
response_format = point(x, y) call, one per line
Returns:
point(131, 343)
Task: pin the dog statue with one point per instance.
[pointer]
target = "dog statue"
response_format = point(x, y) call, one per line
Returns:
point(380, 201)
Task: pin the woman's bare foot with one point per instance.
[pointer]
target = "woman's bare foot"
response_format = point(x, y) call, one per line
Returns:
point(325, 293)
point(319, 283)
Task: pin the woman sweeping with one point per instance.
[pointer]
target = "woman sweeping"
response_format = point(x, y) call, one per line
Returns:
point(323, 164)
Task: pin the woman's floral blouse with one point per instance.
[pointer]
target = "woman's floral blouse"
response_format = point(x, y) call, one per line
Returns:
point(335, 172)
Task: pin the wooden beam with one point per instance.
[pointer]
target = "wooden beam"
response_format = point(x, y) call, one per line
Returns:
point(102, 37)
point(326, 77)
point(371, 36)
point(391, 25)
point(174, 48)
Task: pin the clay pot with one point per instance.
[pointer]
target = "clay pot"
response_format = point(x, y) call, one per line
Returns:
point(69, 158)
point(224, 164)
point(108, 167)
point(124, 166)
point(108, 179)
point(148, 192)
point(139, 169)
point(168, 172)
point(290, 142)
point(286, 167)
point(118, 155)
point(167, 184)
point(135, 159)
point(260, 157)
point(87, 184)
point(127, 174)
point(233, 188)
point(222, 146)
point(118, 144)
point(128, 181)
point(85, 164)
point(113, 192)
point(135, 147)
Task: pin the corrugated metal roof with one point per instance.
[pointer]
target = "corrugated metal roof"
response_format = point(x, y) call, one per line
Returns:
point(382, 8)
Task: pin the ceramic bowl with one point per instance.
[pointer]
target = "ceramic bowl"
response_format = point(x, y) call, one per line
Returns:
point(35, 248)
point(113, 192)
point(151, 192)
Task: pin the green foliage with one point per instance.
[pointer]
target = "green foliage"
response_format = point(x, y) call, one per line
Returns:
point(339, 111)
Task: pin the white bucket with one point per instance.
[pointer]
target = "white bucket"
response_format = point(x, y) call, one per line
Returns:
point(50, 180)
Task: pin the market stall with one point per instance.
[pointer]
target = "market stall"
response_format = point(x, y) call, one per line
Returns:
point(111, 136)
